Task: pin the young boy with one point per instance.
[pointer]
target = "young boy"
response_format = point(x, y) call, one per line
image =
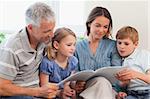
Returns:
point(137, 61)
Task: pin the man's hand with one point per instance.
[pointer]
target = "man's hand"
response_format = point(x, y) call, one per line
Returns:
point(48, 91)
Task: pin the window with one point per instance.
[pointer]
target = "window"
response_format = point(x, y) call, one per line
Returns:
point(12, 14)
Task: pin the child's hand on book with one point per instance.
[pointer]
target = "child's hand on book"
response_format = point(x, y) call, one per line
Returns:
point(80, 86)
point(127, 74)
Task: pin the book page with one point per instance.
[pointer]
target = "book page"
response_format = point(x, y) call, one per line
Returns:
point(108, 72)
point(79, 76)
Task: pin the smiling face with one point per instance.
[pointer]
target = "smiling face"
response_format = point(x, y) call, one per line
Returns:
point(99, 27)
point(43, 33)
point(126, 46)
point(66, 46)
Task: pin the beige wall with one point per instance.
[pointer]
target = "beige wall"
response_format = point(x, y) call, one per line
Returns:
point(149, 25)
point(124, 12)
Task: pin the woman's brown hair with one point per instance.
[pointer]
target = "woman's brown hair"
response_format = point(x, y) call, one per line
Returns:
point(96, 12)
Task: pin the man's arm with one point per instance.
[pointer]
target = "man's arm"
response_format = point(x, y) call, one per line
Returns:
point(7, 88)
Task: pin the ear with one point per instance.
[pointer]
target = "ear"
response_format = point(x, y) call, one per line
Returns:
point(107, 34)
point(136, 44)
point(56, 45)
point(30, 27)
point(89, 24)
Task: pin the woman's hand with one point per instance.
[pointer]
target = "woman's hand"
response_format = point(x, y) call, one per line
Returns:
point(68, 92)
point(80, 86)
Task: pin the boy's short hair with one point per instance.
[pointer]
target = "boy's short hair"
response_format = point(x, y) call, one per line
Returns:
point(128, 32)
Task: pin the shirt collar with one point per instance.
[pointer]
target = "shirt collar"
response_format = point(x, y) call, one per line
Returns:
point(133, 55)
point(25, 41)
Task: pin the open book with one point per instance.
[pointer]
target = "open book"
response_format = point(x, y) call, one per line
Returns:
point(107, 72)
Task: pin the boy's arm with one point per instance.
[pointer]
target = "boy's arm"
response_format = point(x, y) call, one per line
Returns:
point(142, 76)
point(128, 74)
point(145, 77)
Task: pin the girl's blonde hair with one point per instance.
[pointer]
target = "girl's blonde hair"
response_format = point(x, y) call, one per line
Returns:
point(128, 32)
point(59, 34)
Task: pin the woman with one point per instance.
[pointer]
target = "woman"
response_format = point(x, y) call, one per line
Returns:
point(95, 52)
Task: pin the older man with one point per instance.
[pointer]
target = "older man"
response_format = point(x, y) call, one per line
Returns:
point(21, 55)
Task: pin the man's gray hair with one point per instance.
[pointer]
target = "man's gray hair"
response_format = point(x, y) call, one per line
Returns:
point(38, 11)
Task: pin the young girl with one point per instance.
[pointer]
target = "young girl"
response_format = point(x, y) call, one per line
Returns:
point(60, 62)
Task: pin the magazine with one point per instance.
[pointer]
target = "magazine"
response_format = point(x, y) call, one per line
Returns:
point(107, 72)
